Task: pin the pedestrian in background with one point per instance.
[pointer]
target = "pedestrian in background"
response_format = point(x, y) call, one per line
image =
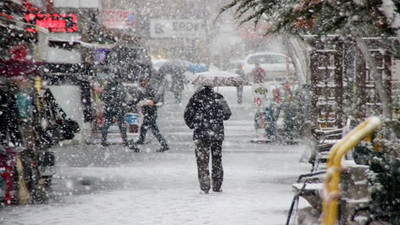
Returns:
point(205, 114)
point(178, 84)
point(289, 117)
point(176, 70)
point(114, 97)
point(239, 89)
point(159, 81)
point(259, 74)
point(149, 100)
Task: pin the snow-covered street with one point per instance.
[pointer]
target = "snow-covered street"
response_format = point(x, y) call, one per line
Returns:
point(211, 112)
point(96, 185)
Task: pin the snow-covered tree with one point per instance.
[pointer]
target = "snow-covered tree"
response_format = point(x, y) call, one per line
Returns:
point(356, 18)
point(321, 17)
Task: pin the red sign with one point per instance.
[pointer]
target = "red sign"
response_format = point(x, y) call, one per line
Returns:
point(119, 19)
point(276, 95)
point(257, 102)
point(63, 23)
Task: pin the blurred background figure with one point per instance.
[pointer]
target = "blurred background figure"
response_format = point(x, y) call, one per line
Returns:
point(114, 98)
point(176, 69)
point(177, 85)
point(159, 81)
point(259, 74)
point(289, 117)
point(239, 89)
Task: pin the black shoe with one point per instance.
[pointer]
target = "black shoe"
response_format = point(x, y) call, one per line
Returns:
point(217, 190)
point(163, 149)
point(135, 148)
point(139, 143)
point(104, 144)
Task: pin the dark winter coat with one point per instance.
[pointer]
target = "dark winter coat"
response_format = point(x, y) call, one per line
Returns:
point(149, 92)
point(205, 113)
point(113, 96)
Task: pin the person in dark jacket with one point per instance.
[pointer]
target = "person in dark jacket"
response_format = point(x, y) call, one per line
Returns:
point(205, 114)
point(239, 89)
point(178, 84)
point(149, 100)
point(177, 73)
point(114, 96)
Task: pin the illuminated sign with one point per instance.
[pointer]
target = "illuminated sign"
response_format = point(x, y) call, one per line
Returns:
point(57, 23)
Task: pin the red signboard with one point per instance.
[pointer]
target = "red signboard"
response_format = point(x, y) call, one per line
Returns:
point(119, 19)
point(58, 23)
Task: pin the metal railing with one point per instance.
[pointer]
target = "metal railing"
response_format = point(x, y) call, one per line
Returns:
point(330, 192)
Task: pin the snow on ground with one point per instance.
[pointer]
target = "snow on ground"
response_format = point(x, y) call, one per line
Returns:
point(96, 185)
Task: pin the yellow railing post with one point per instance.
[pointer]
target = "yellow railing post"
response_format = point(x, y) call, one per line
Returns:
point(330, 193)
point(38, 89)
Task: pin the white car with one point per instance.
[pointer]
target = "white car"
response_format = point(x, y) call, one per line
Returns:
point(276, 65)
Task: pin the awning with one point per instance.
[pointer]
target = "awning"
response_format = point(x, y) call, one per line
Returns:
point(97, 45)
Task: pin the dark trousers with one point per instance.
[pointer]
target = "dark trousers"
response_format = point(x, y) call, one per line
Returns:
point(108, 118)
point(239, 93)
point(150, 122)
point(203, 150)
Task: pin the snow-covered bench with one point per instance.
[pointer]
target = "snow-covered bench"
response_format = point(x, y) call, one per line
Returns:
point(325, 138)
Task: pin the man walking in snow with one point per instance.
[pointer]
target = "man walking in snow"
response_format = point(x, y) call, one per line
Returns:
point(205, 114)
point(149, 100)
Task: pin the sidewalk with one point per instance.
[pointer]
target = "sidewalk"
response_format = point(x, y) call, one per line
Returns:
point(96, 185)
point(116, 186)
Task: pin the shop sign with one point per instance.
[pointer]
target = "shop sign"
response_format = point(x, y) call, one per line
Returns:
point(118, 19)
point(175, 28)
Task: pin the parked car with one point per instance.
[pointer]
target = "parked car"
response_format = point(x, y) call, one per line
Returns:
point(277, 66)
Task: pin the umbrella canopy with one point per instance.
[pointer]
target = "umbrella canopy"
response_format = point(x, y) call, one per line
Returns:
point(178, 65)
point(173, 67)
point(219, 78)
